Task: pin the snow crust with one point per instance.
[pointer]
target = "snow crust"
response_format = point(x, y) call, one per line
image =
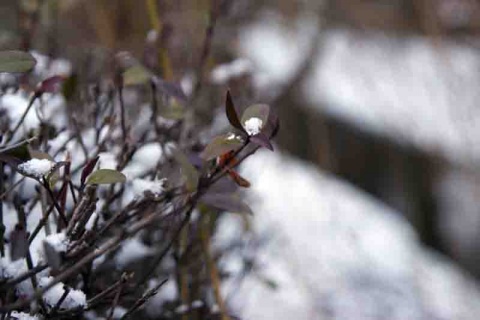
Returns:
point(58, 241)
point(74, 299)
point(253, 126)
point(37, 167)
point(331, 251)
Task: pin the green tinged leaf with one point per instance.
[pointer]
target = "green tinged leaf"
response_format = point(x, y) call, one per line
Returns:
point(106, 176)
point(16, 61)
point(221, 145)
point(136, 74)
point(232, 113)
point(190, 173)
point(260, 111)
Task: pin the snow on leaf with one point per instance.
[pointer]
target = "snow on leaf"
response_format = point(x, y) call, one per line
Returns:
point(258, 111)
point(253, 126)
point(36, 168)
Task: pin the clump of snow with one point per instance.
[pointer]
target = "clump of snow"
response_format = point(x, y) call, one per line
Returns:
point(140, 186)
point(57, 241)
point(74, 299)
point(119, 312)
point(333, 252)
point(91, 221)
point(132, 249)
point(224, 72)
point(145, 159)
point(12, 269)
point(275, 49)
point(181, 309)
point(15, 104)
point(22, 316)
point(37, 167)
point(253, 126)
point(167, 292)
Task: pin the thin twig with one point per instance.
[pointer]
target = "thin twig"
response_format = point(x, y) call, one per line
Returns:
point(60, 301)
point(22, 118)
point(140, 302)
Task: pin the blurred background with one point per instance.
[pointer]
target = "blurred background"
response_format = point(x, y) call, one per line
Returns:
point(381, 96)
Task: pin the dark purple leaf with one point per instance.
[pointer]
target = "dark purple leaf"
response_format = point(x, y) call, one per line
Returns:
point(262, 140)
point(221, 145)
point(88, 169)
point(228, 202)
point(52, 84)
point(232, 113)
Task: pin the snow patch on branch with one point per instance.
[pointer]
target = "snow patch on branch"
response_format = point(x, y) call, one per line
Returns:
point(37, 167)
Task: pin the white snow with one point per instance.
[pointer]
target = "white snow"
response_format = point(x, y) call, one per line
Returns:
point(132, 250)
point(74, 299)
point(22, 316)
point(141, 185)
point(410, 89)
point(36, 167)
point(253, 126)
point(276, 51)
point(333, 252)
point(223, 73)
point(145, 159)
point(58, 241)
point(167, 293)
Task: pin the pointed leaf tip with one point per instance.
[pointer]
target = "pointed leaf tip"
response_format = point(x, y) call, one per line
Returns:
point(232, 115)
point(88, 169)
point(262, 140)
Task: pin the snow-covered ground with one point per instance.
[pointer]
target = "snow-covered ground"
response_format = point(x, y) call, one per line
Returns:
point(333, 252)
point(413, 90)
